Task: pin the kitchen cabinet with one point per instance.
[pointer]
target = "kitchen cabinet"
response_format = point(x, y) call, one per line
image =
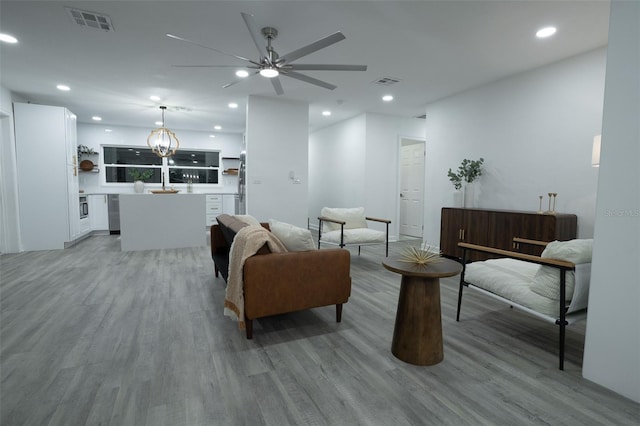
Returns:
point(213, 208)
point(47, 173)
point(497, 228)
point(99, 212)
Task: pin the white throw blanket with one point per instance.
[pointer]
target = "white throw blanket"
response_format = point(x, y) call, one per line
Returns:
point(245, 244)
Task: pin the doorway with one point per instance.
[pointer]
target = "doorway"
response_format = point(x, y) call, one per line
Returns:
point(412, 154)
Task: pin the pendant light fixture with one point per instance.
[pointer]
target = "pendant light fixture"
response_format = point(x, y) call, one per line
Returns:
point(163, 141)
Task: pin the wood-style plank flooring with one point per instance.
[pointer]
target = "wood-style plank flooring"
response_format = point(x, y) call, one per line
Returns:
point(91, 335)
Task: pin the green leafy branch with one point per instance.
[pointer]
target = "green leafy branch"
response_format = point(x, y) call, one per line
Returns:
point(468, 171)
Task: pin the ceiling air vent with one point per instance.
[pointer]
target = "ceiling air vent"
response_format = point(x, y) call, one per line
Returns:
point(386, 81)
point(90, 19)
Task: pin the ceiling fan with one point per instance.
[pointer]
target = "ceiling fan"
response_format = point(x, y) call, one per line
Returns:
point(271, 65)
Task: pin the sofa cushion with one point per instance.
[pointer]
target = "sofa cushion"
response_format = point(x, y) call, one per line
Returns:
point(354, 218)
point(547, 280)
point(293, 237)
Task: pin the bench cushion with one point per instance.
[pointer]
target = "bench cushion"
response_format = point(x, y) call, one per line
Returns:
point(511, 279)
point(547, 280)
point(355, 236)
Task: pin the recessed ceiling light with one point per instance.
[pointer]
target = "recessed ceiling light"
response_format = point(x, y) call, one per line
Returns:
point(159, 123)
point(212, 136)
point(387, 98)
point(546, 32)
point(233, 105)
point(217, 127)
point(63, 87)
point(326, 113)
point(242, 73)
point(96, 118)
point(8, 38)
point(154, 98)
point(108, 130)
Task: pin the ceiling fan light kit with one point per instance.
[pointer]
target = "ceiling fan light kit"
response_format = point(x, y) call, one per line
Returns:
point(271, 65)
point(269, 72)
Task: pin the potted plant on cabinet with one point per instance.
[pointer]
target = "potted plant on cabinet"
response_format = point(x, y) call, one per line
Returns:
point(468, 171)
point(139, 178)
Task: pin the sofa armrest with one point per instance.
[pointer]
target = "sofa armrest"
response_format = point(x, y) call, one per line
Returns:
point(276, 283)
point(217, 239)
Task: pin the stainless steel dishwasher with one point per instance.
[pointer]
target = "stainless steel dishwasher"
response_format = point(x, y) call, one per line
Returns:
point(113, 204)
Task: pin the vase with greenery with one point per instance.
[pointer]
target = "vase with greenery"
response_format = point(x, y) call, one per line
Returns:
point(85, 150)
point(139, 178)
point(468, 171)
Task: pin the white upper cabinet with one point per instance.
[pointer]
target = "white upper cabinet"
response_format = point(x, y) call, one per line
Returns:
point(46, 152)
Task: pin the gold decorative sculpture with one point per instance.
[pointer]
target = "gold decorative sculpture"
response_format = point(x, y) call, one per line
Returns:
point(420, 256)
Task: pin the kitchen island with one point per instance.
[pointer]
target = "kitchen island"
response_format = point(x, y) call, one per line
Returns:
point(162, 221)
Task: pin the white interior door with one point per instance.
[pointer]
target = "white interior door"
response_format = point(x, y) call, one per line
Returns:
point(412, 154)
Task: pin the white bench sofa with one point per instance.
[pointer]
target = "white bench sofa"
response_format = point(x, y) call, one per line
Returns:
point(553, 286)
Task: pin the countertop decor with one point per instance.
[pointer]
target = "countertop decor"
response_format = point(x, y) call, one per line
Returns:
point(165, 191)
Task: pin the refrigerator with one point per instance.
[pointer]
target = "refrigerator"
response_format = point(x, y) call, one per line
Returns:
point(241, 207)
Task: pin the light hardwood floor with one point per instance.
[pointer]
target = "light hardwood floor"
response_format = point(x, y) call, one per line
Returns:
point(92, 335)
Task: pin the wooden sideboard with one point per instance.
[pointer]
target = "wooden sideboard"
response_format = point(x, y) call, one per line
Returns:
point(497, 228)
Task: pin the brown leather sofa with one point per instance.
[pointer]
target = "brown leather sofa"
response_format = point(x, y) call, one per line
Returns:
point(277, 283)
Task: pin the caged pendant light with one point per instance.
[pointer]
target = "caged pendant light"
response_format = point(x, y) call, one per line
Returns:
point(163, 141)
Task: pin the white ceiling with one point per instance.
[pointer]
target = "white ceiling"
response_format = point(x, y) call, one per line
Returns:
point(435, 49)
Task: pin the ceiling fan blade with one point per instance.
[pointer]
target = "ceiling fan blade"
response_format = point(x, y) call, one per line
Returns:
point(308, 79)
point(216, 66)
point(277, 85)
point(310, 48)
point(325, 67)
point(256, 35)
point(239, 80)
point(175, 37)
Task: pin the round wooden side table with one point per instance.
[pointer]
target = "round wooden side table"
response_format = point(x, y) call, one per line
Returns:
point(417, 334)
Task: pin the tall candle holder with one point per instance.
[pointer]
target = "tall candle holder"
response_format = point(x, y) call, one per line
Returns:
point(553, 209)
point(549, 209)
point(540, 207)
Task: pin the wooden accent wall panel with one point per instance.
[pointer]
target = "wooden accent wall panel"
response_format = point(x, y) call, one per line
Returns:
point(497, 228)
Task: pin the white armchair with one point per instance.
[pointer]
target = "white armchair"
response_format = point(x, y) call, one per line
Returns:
point(348, 226)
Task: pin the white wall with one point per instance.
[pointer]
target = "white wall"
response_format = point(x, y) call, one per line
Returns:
point(337, 166)
point(382, 190)
point(277, 144)
point(94, 136)
point(355, 163)
point(9, 206)
point(612, 345)
point(534, 130)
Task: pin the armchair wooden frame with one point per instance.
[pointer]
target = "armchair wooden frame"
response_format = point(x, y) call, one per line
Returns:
point(342, 223)
point(562, 320)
